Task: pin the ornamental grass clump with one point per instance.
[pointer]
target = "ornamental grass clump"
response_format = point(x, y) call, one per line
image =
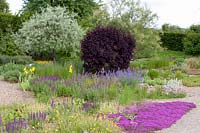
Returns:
point(107, 49)
point(149, 117)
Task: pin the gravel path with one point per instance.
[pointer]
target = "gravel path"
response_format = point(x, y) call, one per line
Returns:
point(11, 94)
point(190, 122)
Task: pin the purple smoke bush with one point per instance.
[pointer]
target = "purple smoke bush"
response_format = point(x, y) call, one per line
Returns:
point(149, 117)
point(108, 49)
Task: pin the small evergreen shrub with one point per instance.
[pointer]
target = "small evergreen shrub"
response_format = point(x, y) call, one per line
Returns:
point(108, 49)
point(172, 41)
point(192, 44)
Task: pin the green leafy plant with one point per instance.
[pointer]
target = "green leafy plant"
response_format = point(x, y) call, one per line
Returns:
point(57, 70)
point(153, 73)
point(151, 63)
point(11, 72)
point(191, 81)
point(7, 45)
point(159, 93)
point(11, 76)
point(154, 82)
point(24, 60)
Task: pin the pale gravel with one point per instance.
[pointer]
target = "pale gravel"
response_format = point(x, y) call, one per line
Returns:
point(190, 122)
point(10, 93)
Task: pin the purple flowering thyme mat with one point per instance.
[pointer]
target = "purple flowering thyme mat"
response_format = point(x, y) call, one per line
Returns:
point(149, 117)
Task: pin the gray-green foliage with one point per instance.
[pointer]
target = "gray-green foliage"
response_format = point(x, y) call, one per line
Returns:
point(53, 30)
point(138, 20)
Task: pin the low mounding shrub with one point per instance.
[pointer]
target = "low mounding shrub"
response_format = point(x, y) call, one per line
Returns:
point(153, 74)
point(11, 72)
point(11, 76)
point(192, 44)
point(10, 67)
point(107, 48)
point(172, 41)
point(4, 59)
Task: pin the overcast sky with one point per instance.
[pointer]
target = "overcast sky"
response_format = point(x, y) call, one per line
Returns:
point(177, 12)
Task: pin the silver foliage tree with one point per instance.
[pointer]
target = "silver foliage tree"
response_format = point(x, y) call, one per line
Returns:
point(52, 30)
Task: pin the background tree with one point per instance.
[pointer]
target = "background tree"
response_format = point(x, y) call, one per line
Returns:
point(83, 8)
point(172, 28)
point(195, 28)
point(132, 16)
point(4, 7)
point(54, 29)
point(8, 23)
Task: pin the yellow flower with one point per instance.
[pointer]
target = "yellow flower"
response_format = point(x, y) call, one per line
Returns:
point(25, 72)
point(70, 69)
point(24, 69)
point(32, 69)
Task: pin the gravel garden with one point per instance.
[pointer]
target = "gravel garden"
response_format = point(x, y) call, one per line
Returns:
point(72, 72)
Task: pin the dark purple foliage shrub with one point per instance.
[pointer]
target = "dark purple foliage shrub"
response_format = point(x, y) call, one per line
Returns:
point(108, 49)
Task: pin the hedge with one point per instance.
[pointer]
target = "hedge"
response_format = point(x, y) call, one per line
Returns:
point(172, 41)
point(192, 44)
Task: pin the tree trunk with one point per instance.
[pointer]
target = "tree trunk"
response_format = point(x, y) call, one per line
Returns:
point(54, 56)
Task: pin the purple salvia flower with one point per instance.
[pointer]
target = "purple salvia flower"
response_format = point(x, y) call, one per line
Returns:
point(52, 103)
point(37, 116)
point(1, 121)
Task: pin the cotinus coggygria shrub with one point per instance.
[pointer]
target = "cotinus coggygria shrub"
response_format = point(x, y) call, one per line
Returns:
point(107, 49)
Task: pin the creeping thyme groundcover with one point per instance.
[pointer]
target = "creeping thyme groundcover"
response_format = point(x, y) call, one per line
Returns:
point(149, 117)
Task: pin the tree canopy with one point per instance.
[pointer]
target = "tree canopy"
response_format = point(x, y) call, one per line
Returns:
point(54, 28)
point(4, 7)
point(83, 8)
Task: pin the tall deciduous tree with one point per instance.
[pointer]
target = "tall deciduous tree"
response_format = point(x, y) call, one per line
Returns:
point(4, 7)
point(132, 16)
point(83, 8)
point(171, 28)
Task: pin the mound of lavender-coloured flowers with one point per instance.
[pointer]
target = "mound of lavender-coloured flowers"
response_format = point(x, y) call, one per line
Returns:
point(149, 117)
